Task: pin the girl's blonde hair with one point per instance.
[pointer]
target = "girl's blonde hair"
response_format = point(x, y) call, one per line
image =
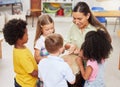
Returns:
point(42, 20)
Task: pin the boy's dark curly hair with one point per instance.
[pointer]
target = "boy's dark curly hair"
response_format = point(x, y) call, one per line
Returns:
point(96, 46)
point(14, 30)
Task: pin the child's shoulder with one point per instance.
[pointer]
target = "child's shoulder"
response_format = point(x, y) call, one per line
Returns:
point(41, 39)
point(92, 62)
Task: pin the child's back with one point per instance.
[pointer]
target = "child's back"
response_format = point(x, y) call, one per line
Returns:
point(53, 71)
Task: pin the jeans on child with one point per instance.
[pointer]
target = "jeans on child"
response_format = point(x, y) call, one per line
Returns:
point(39, 83)
point(16, 84)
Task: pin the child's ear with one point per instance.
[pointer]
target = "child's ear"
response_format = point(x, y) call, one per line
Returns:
point(61, 50)
point(88, 15)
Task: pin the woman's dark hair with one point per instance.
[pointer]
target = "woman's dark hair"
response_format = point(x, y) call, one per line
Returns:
point(84, 8)
point(14, 30)
point(96, 46)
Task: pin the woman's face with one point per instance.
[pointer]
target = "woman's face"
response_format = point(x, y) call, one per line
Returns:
point(48, 29)
point(80, 19)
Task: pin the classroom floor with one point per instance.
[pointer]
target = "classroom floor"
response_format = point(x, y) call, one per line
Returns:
point(112, 74)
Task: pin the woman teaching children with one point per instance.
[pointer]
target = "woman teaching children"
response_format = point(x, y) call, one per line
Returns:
point(83, 22)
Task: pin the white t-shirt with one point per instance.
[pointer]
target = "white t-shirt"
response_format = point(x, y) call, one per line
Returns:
point(40, 45)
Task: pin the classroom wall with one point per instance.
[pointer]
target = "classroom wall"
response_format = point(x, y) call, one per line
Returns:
point(25, 3)
point(26, 6)
point(107, 4)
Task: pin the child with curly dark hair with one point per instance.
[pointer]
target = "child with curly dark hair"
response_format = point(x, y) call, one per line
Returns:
point(25, 66)
point(95, 49)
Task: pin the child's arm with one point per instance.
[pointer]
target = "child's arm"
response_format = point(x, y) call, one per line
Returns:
point(85, 71)
point(34, 73)
point(37, 55)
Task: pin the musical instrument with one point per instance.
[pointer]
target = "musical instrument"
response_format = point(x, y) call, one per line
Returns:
point(71, 60)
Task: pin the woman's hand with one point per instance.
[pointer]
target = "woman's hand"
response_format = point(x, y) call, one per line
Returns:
point(67, 46)
point(72, 48)
point(76, 51)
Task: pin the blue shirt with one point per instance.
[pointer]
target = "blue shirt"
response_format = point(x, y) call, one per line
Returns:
point(40, 45)
point(55, 72)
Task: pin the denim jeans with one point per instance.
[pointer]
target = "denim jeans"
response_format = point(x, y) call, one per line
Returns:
point(16, 84)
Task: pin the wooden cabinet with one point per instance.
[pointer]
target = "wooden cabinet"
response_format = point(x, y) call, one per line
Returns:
point(36, 7)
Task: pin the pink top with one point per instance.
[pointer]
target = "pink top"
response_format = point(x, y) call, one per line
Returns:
point(94, 66)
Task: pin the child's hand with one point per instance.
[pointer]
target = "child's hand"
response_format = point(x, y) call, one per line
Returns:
point(34, 73)
point(72, 48)
point(76, 51)
point(67, 46)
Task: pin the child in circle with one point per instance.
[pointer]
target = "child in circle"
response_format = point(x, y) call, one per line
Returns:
point(53, 70)
point(45, 26)
point(94, 50)
point(25, 66)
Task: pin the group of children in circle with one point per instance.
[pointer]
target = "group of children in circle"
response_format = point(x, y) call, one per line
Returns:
point(46, 65)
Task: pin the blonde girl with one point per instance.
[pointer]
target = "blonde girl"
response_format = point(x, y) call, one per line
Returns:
point(45, 26)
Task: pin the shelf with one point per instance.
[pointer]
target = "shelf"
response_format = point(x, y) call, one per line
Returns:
point(62, 19)
point(57, 1)
point(57, 8)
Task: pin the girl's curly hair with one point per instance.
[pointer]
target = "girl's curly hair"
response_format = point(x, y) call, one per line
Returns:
point(96, 45)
